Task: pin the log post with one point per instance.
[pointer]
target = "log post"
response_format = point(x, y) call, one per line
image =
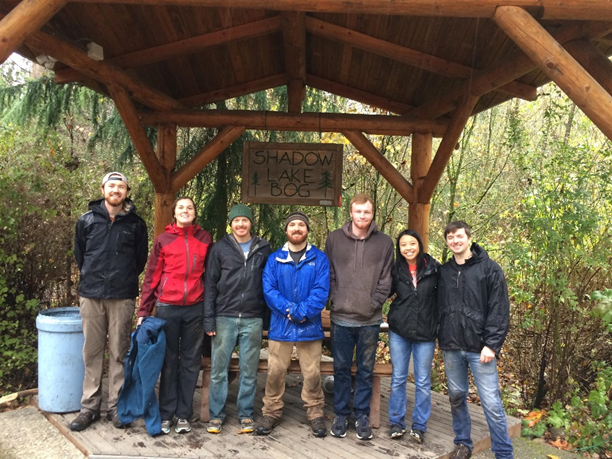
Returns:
point(166, 154)
point(23, 20)
point(557, 64)
point(418, 213)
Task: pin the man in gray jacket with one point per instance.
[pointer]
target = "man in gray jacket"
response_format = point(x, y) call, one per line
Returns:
point(360, 258)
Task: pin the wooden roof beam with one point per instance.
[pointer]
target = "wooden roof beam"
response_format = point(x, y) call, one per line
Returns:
point(558, 65)
point(23, 20)
point(212, 149)
point(446, 148)
point(308, 122)
point(408, 56)
point(593, 10)
point(593, 60)
point(238, 90)
point(100, 71)
point(380, 163)
point(512, 69)
point(294, 41)
point(357, 95)
point(158, 175)
point(182, 47)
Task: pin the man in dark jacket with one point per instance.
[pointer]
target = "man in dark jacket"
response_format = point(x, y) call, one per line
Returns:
point(474, 322)
point(234, 308)
point(110, 246)
point(296, 286)
point(360, 258)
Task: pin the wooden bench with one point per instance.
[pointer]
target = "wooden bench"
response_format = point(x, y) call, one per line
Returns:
point(327, 368)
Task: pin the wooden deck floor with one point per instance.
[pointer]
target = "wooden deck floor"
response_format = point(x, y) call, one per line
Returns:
point(291, 439)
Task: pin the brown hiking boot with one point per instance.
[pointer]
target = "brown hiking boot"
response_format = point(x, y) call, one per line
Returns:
point(266, 425)
point(318, 427)
point(83, 420)
point(461, 452)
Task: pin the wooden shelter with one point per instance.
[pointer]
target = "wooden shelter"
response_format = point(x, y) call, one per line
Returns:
point(430, 64)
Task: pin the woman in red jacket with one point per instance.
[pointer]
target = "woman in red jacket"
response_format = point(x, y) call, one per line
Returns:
point(174, 283)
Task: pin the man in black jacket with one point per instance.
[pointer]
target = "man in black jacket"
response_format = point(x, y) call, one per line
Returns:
point(474, 322)
point(234, 308)
point(110, 247)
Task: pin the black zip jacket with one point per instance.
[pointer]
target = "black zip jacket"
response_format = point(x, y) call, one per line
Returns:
point(233, 283)
point(414, 314)
point(474, 304)
point(110, 254)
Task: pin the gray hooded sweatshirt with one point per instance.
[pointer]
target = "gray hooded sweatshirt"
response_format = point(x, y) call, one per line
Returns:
point(360, 271)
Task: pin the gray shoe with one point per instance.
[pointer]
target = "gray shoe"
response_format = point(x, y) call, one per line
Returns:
point(461, 452)
point(182, 426)
point(166, 426)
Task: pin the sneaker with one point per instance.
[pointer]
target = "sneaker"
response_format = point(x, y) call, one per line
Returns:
point(113, 417)
point(461, 452)
point(266, 425)
point(166, 426)
point(340, 426)
point(418, 435)
point(83, 420)
point(214, 426)
point(362, 426)
point(247, 425)
point(318, 427)
point(396, 431)
point(182, 426)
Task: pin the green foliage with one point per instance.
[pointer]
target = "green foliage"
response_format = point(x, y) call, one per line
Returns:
point(603, 309)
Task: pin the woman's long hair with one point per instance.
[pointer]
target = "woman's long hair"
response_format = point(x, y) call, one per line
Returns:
point(399, 258)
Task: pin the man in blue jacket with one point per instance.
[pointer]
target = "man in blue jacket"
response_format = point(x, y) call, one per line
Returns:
point(474, 322)
point(296, 286)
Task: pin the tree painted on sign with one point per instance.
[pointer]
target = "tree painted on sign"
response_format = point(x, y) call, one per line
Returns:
point(326, 182)
point(255, 182)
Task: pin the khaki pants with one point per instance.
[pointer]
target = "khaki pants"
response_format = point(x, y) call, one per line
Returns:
point(104, 318)
point(279, 358)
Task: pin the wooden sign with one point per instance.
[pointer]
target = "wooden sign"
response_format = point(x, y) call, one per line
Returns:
point(292, 173)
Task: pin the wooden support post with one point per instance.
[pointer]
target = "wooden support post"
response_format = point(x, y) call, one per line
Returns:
point(166, 154)
point(380, 163)
point(557, 64)
point(129, 115)
point(445, 150)
point(294, 41)
point(212, 149)
point(418, 213)
point(23, 20)
point(593, 60)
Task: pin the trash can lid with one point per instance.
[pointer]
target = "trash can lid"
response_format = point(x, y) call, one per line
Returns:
point(60, 320)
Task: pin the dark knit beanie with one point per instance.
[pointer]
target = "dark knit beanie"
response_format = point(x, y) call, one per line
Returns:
point(240, 210)
point(297, 216)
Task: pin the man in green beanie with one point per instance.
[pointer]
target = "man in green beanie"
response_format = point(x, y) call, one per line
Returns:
point(234, 308)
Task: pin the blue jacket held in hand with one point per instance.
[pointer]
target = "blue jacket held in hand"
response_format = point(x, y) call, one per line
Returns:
point(299, 290)
point(142, 367)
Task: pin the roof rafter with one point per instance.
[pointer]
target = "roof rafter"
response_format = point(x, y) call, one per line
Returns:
point(408, 56)
point(183, 47)
point(592, 10)
point(294, 44)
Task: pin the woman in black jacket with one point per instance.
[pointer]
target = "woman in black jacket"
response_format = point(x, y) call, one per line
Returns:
point(413, 323)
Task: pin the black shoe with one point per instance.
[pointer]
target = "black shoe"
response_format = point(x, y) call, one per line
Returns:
point(362, 426)
point(396, 431)
point(83, 420)
point(340, 426)
point(418, 435)
point(113, 417)
point(318, 427)
point(266, 425)
point(461, 452)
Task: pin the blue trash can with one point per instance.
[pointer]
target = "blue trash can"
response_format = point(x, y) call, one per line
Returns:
point(60, 360)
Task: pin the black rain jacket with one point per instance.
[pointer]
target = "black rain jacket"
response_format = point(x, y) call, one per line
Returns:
point(233, 283)
point(110, 254)
point(474, 304)
point(414, 313)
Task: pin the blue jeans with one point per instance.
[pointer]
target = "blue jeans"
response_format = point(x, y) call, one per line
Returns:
point(422, 352)
point(344, 341)
point(485, 377)
point(232, 331)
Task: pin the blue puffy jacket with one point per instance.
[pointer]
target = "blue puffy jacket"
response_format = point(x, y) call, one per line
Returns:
point(301, 289)
point(142, 367)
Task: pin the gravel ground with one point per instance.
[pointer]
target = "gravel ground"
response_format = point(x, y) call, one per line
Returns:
point(26, 434)
point(530, 449)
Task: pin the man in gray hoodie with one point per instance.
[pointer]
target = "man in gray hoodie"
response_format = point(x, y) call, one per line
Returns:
point(360, 258)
